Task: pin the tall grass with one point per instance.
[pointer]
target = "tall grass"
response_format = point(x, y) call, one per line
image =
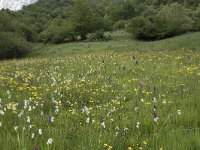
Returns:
point(104, 100)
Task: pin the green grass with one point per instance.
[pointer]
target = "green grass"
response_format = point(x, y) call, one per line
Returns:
point(91, 95)
point(99, 98)
point(121, 41)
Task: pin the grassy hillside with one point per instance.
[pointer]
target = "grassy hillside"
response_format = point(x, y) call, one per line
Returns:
point(140, 100)
point(121, 41)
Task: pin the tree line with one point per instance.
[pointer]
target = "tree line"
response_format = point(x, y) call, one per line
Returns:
point(59, 21)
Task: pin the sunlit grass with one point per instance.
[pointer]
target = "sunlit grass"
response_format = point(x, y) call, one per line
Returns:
point(137, 100)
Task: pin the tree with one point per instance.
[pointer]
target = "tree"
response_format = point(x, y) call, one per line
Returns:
point(169, 21)
point(84, 19)
point(58, 31)
point(12, 44)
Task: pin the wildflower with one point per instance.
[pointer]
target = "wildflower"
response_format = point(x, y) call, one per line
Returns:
point(40, 131)
point(164, 101)
point(88, 120)
point(138, 125)
point(50, 140)
point(103, 124)
point(21, 113)
point(14, 106)
point(136, 109)
point(2, 112)
point(130, 148)
point(126, 130)
point(116, 134)
point(50, 119)
point(15, 128)
point(145, 142)
point(140, 148)
point(28, 119)
point(179, 112)
point(36, 148)
point(32, 135)
point(105, 146)
point(154, 100)
point(8, 92)
point(155, 118)
point(86, 110)
point(9, 106)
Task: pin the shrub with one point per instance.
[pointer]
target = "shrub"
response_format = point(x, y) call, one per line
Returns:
point(121, 24)
point(58, 31)
point(169, 21)
point(12, 46)
point(97, 36)
point(196, 18)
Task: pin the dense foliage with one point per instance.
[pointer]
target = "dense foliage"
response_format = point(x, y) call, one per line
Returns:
point(12, 40)
point(58, 21)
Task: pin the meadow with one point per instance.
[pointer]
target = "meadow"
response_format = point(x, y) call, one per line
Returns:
point(101, 100)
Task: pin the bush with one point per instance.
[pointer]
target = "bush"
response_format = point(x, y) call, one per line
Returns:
point(169, 21)
point(57, 31)
point(12, 46)
point(121, 24)
point(196, 18)
point(97, 36)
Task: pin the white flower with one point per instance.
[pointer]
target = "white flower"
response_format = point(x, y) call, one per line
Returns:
point(136, 109)
point(126, 130)
point(88, 120)
point(21, 113)
point(86, 110)
point(30, 108)
point(179, 112)
point(2, 112)
point(116, 134)
point(40, 131)
point(103, 124)
point(93, 121)
point(28, 119)
point(15, 128)
point(155, 119)
point(138, 125)
point(32, 135)
point(50, 140)
point(41, 113)
point(52, 119)
point(30, 126)
point(14, 106)
point(164, 101)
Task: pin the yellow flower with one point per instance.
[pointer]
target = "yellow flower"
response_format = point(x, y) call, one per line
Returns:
point(9, 106)
point(140, 148)
point(145, 142)
point(130, 148)
point(105, 145)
